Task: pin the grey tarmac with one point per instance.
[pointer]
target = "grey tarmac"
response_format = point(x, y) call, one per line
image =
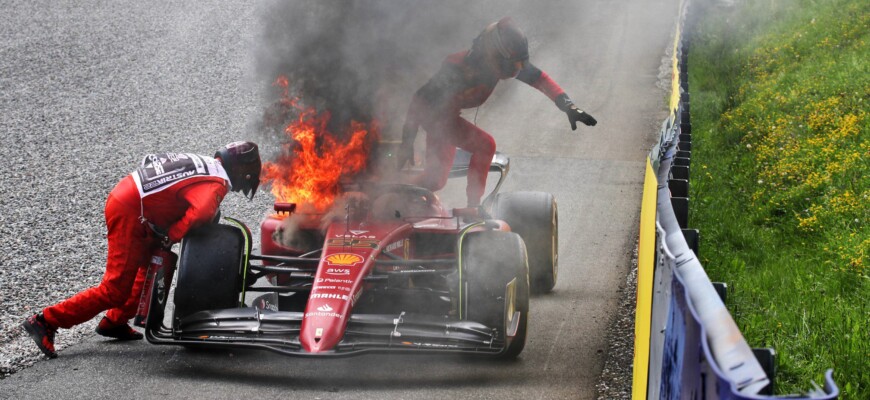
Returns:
point(87, 88)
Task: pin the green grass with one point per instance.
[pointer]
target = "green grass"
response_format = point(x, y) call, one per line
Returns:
point(781, 178)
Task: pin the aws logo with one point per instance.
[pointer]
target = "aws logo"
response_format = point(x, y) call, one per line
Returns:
point(344, 259)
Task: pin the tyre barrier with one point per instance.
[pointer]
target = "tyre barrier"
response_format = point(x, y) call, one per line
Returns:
point(687, 345)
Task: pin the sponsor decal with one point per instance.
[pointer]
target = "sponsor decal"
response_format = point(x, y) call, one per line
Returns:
point(325, 308)
point(345, 235)
point(165, 180)
point(352, 243)
point(320, 288)
point(431, 345)
point(401, 244)
point(324, 314)
point(395, 245)
point(344, 259)
point(159, 171)
point(333, 280)
point(328, 296)
point(318, 332)
point(356, 297)
point(337, 271)
point(265, 305)
point(358, 233)
point(361, 237)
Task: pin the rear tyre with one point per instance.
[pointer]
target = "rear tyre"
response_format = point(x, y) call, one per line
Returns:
point(535, 217)
point(496, 285)
point(209, 270)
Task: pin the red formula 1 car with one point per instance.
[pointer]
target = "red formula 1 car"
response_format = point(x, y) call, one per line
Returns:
point(394, 270)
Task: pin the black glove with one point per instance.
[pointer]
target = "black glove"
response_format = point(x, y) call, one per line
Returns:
point(574, 114)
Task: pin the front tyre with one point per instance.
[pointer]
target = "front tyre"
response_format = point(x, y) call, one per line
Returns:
point(496, 282)
point(210, 270)
point(535, 217)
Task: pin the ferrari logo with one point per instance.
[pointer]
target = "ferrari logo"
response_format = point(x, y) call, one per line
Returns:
point(344, 259)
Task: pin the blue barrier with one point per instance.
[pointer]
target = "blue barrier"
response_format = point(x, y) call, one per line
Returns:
point(703, 355)
point(696, 350)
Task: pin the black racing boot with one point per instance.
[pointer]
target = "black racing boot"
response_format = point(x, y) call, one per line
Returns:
point(120, 332)
point(42, 333)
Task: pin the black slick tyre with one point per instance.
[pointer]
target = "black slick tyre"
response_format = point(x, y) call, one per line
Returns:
point(496, 282)
point(209, 270)
point(535, 217)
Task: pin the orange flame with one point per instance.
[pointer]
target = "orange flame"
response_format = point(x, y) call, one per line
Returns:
point(308, 173)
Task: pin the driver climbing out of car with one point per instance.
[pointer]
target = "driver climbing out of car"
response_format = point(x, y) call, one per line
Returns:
point(465, 80)
point(156, 205)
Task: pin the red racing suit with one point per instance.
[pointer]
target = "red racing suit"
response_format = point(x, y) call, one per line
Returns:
point(462, 82)
point(177, 204)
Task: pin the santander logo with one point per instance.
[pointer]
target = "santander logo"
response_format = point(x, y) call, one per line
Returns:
point(324, 308)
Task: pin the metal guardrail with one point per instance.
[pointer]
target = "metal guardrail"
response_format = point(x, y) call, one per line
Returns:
point(687, 344)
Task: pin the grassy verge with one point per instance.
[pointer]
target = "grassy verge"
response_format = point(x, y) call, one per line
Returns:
point(781, 178)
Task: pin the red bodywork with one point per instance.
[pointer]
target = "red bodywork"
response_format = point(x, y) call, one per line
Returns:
point(385, 270)
point(350, 248)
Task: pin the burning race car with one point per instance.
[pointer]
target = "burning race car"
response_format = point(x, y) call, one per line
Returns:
point(391, 271)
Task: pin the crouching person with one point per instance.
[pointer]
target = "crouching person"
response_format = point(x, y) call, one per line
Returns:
point(156, 205)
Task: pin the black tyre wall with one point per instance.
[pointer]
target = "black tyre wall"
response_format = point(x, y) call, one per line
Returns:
point(534, 216)
point(209, 270)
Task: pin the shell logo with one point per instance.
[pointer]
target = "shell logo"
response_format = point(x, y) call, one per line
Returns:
point(344, 259)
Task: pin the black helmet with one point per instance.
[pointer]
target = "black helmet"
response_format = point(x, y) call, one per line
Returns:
point(506, 42)
point(241, 160)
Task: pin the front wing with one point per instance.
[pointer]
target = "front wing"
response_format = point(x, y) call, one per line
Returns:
point(278, 331)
